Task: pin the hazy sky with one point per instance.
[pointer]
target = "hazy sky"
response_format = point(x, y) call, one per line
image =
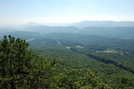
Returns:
point(49, 11)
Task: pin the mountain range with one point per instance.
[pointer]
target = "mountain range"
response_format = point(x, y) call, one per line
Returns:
point(82, 24)
point(86, 23)
point(112, 29)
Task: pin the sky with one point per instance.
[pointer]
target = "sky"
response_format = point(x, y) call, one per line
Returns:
point(64, 11)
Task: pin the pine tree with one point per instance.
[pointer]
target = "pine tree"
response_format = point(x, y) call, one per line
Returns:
point(19, 68)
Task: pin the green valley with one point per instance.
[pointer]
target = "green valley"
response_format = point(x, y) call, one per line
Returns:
point(66, 61)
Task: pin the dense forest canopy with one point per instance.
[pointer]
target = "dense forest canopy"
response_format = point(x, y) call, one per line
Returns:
point(78, 65)
point(21, 69)
point(45, 57)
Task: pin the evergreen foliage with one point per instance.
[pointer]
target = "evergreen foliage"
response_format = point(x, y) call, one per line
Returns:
point(20, 69)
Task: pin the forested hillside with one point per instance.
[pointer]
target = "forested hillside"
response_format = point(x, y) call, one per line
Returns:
point(93, 39)
point(21, 69)
point(70, 60)
point(112, 65)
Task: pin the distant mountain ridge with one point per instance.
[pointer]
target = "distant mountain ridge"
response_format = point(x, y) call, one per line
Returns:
point(81, 24)
point(87, 23)
point(112, 32)
point(112, 29)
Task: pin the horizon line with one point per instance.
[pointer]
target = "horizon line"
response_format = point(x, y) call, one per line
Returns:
point(64, 22)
